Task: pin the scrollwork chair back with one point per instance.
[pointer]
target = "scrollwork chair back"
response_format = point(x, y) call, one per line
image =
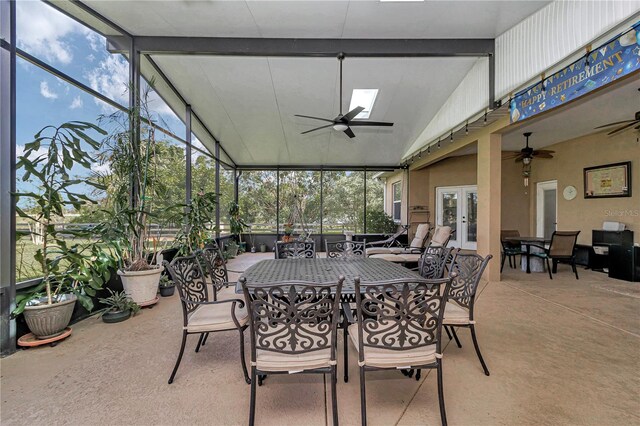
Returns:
point(468, 269)
point(399, 314)
point(295, 250)
point(433, 262)
point(345, 249)
point(186, 273)
point(215, 269)
point(293, 317)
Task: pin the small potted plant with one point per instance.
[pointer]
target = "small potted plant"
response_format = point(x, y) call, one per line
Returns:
point(167, 287)
point(263, 248)
point(119, 307)
point(288, 232)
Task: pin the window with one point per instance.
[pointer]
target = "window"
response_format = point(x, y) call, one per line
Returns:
point(363, 98)
point(397, 201)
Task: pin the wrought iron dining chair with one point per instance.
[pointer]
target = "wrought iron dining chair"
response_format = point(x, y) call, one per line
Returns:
point(345, 249)
point(510, 249)
point(201, 315)
point(293, 330)
point(399, 326)
point(459, 312)
point(215, 269)
point(295, 250)
point(562, 249)
point(434, 261)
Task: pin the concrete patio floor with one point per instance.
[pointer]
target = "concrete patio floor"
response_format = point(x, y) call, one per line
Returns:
point(560, 352)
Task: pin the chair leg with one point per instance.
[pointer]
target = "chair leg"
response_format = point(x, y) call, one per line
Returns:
point(242, 360)
point(363, 399)
point(204, 341)
point(443, 413)
point(549, 269)
point(334, 395)
point(175, 368)
point(504, 256)
point(475, 344)
point(345, 343)
point(446, 329)
point(455, 336)
point(575, 270)
point(252, 403)
point(200, 342)
point(418, 374)
point(555, 266)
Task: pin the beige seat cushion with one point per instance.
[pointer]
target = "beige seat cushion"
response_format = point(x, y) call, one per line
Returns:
point(440, 236)
point(455, 314)
point(397, 258)
point(215, 318)
point(378, 250)
point(273, 361)
point(389, 358)
point(411, 257)
point(419, 237)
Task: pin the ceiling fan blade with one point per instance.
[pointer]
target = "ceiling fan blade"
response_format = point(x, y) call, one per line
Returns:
point(625, 127)
point(542, 155)
point(519, 159)
point(613, 124)
point(352, 114)
point(314, 118)
point(543, 151)
point(349, 132)
point(370, 123)
point(317, 128)
point(508, 155)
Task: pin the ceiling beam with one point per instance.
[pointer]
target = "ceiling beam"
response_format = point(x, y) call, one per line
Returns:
point(305, 47)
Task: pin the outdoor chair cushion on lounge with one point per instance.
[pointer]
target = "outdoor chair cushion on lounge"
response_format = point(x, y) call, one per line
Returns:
point(390, 358)
point(215, 318)
point(441, 236)
point(274, 361)
point(417, 244)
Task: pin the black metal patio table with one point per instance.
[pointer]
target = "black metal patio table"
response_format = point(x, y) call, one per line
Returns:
point(325, 270)
point(528, 242)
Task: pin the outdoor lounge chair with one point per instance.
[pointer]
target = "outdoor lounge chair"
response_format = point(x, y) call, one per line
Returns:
point(391, 241)
point(417, 244)
point(440, 238)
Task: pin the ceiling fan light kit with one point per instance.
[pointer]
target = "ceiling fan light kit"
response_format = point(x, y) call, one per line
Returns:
point(343, 123)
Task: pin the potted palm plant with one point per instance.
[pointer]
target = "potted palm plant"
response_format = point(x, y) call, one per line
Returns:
point(73, 266)
point(199, 223)
point(133, 185)
point(237, 226)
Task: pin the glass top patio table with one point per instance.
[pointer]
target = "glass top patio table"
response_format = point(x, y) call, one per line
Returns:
point(325, 270)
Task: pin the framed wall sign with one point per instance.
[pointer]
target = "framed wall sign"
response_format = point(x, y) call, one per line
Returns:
point(609, 180)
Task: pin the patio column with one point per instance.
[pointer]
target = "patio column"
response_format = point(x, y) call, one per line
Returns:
point(489, 201)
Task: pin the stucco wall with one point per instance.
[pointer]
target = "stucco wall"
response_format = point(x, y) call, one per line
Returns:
point(570, 158)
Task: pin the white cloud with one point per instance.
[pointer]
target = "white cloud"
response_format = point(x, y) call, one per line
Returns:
point(42, 30)
point(111, 78)
point(46, 92)
point(34, 154)
point(76, 103)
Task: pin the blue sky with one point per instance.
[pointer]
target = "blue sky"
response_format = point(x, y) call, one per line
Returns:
point(43, 99)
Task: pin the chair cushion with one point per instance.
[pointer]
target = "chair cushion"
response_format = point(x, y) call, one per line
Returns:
point(274, 361)
point(455, 314)
point(396, 258)
point(215, 318)
point(441, 235)
point(411, 257)
point(419, 237)
point(379, 250)
point(389, 358)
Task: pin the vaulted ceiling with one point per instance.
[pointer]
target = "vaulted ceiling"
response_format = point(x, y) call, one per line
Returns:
point(248, 103)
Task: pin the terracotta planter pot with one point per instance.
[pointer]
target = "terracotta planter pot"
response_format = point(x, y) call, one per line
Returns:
point(141, 286)
point(46, 321)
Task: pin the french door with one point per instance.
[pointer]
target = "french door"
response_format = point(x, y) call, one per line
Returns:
point(457, 207)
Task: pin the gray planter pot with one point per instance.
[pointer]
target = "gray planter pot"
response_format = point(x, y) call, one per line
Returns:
point(46, 321)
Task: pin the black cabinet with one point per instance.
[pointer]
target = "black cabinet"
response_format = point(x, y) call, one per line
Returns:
point(624, 262)
point(621, 259)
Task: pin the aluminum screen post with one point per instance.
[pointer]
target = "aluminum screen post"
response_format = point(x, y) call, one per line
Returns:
point(187, 122)
point(217, 155)
point(7, 176)
point(134, 110)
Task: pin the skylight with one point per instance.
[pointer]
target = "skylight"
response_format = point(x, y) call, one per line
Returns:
point(363, 98)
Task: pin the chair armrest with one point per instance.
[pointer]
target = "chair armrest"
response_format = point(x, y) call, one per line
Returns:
point(346, 309)
point(213, 302)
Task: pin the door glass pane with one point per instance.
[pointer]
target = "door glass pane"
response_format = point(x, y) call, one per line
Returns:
point(450, 211)
point(472, 216)
point(549, 212)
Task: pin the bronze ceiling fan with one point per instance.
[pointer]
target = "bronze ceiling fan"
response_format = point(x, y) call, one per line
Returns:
point(526, 154)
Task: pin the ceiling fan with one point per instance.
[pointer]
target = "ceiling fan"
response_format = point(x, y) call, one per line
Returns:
point(343, 123)
point(527, 153)
point(625, 124)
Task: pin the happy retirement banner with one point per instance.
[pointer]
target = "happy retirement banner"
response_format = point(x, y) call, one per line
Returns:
point(617, 58)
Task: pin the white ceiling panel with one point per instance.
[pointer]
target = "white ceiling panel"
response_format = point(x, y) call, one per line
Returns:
point(317, 18)
point(250, 104)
